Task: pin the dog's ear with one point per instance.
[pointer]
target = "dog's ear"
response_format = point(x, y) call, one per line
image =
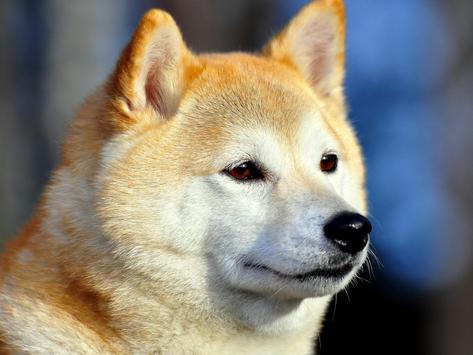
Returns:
point(149, 77)
point(314, 44)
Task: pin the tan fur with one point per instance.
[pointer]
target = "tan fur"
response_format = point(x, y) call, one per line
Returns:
point(99, 269)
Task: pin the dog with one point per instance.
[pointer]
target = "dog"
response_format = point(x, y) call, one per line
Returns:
point(204, 204)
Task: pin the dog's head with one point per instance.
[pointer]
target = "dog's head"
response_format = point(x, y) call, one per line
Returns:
point(234, 172)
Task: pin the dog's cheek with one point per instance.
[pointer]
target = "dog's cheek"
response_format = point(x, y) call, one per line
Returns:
point(185, 216)
point(236, 221)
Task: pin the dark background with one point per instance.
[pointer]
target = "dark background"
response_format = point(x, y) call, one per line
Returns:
point(410, 89)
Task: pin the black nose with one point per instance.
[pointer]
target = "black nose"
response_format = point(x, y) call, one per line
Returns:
point(350, 231)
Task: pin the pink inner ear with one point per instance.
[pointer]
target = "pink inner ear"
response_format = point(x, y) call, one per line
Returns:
point(317, 45)
point(161, 73)
point(153, 92)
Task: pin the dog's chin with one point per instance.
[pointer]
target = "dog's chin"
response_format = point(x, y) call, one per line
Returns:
point(319, 282)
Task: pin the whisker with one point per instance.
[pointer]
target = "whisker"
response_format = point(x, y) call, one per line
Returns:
point(348, 296)
point(334, 306)
point(377, 221)
point(275, 293)
point(369, 267)
point(371, 252)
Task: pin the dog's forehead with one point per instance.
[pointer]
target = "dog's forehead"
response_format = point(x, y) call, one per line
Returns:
point(238, 90)
point(238, 96)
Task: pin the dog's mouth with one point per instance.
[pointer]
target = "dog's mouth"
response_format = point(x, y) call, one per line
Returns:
point(322, 273)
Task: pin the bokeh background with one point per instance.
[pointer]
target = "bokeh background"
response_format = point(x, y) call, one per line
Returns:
point(410, 89)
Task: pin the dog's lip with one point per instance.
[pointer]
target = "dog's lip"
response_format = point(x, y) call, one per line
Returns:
point(326, 273)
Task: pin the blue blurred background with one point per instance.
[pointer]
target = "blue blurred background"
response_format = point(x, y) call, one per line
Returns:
point(409, 86)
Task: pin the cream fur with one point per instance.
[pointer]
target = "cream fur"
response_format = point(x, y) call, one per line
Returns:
point(140, 241)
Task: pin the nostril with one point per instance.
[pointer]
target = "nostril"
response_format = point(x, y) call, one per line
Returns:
point(350, 231)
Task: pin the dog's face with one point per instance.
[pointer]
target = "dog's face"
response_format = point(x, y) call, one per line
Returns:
point(235, 172)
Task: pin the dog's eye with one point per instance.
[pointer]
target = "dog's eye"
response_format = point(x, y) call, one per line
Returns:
point(245, 171)
point(329, 163)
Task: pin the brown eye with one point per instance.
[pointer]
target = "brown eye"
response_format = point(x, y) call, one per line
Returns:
point(245, 171)
point(329, 163)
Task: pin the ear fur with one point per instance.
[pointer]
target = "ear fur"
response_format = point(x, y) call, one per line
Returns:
point(314, 44)
point(150, 73)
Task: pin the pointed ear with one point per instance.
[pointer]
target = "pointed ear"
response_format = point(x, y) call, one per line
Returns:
point(150, 73)
point(314, 44)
